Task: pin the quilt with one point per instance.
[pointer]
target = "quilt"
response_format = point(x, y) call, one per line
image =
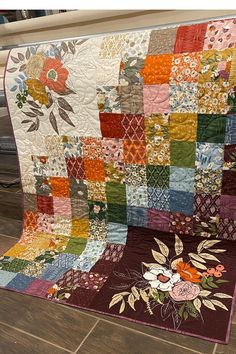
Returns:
point(127, 151)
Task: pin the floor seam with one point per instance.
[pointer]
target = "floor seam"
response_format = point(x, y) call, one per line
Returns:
point(34, 336)
point(214, 350)
point(86, 337)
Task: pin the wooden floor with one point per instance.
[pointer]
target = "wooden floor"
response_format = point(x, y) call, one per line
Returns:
point(35, 326)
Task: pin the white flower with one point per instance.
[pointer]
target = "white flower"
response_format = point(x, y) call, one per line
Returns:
point(67, 295)
point(133, 62)
point(161, 278)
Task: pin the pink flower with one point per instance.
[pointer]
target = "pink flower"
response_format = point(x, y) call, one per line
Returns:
point(184, 290)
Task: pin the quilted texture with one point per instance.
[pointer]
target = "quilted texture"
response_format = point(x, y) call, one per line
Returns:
point(127, 151)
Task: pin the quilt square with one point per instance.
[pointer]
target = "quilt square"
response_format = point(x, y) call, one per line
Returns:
point(190, 38)
point(45, 223)
point(220, 34)
point(117, 213)
point(79, 208)
point(135, 175)
point(45, 204)
point(229, 183)
point(230, 135)
point(43, 186)
point(208, 181)
point(158, 198)
point(181, 202)
point(30, 202)
point(6, 277)
point(134, 152)
point(72, 146)
point(185, 68)
point(94, 170)
point(112, 150)
point(158, 176)
point(182, 179)
point(78, 189)
point(158, 220)
point(211, 128)
point(230, 157)
point(60, 187)
point(131, 99)
point(227, 229)
point(182, 154)
point(111, 125)
point(136, 216)
point(209, 156)
point(57, 166)
point(181, 224)
point(75, 245)
point(157, 127)
point(117, 233)
point(228, 206)
point(108, 99)
point(98, 229)
point(162, 41)
point(137, 196)
point(20, 282)
point(206, 205)
point(80, 228)
point(156, 98)
point(97, 210)
point(157, 69)
point(158, 153)
point(134, 126)
point(130, 71)
point(97, 191)
point(62, 206)
point(183, 126)
point(213, 98)
point(39, 287)
point(114, 172)
point(75, 167)
point(115, 193)
point(183, 97)
point(41, 165)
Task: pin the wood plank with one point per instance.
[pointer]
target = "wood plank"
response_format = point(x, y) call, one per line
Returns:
point(111, 339)
point(52, 322)
point(11, 205)
point(6, 243)
point(231, 347)
point(10, 227)
point(15, 342)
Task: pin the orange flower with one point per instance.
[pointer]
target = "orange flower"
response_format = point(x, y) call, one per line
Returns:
point(37, 91)
point(188, 273)
point(54, 76)
point(51, 291)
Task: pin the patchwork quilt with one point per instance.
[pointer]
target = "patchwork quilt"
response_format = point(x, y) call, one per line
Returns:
point(127, 152)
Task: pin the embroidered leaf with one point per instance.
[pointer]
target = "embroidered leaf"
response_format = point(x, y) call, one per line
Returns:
point(30, 114)
point(144, 295)
point(158, 257)
point(53, 122)
point(221, 281)
point(14, 88)
point(26, 121)
point(185, 315)
point(218, 250)
point(197, 304)
point(198, 265)
point(135, 292)
point(163, 248)
point(149, 265)
point(64, 46)
point(72, 48)
point(115, 300)
point(23, 67)
point(197, 257)
point(206, 244)
point(209, 256)
point(12, 70)
point(15, 60)
point(64, 104)
point(204, 283)
point(37, 111)
point(50, 100)
point(223, 296)
point(21, 56)
point(131, 301)
point(166, 310)
point(122, 306)
point(32, 127)
point(65, 117)
point(175, 262)
point(204, 293)
point(219, 304)
point(209, 304)
point(67, 92)
point(27, 54)
point(33, 104)
point(178, 245)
